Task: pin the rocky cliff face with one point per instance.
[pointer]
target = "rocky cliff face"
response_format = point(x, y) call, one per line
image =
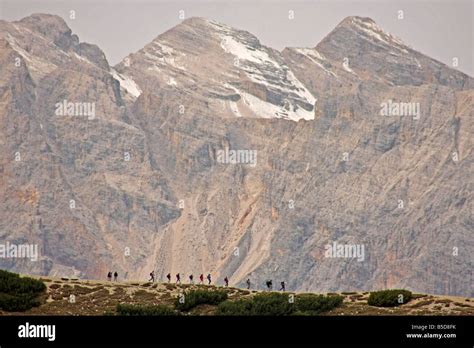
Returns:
point(380, 158)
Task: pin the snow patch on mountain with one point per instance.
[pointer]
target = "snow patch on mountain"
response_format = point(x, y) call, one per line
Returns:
point(347, 68)
point(39, 66)
point(235, 109)
point(262, 67)
point(127, 84)
point(85, 60)
point(161, 54)
point(165, 49)
point(373, 30)
point(265, 109)
point(244, 52)
point(172, 81)
point(261, 108)
point(301, 89)
point(315, 57)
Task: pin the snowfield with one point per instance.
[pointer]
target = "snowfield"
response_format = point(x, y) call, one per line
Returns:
point(127, 84)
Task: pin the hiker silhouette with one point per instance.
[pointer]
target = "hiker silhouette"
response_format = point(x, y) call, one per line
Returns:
point(152, 276)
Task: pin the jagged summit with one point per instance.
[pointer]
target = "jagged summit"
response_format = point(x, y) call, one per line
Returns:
point(201, 31)
point(45, 41)
point(43, 20)
point(367, 28)
point(50, 26)
point(368, 52)
point(227, 67)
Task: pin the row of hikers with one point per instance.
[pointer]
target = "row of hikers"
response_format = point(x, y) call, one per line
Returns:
point(109, 276)
point(268, 283)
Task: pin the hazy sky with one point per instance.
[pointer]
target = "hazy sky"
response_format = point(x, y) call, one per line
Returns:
point(440, 29)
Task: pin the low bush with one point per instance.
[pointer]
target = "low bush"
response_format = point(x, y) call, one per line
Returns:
point(12, 283)
point(193, 298)
point(241, 307)
point(277, 304)
point(145, 310)
point(311, 304)
point(17, 303)
point(272, 304)
point(389, 298)
point(17, 293)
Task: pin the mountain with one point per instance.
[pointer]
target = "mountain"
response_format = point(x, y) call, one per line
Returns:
point(70, 192)
point(226, 68)
point(150, 189)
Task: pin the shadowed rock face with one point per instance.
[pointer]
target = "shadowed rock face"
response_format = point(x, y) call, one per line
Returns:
point(139, 186)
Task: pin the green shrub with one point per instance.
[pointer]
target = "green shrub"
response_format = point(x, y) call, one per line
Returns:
point(276, 304)
point(12, 283)
point(18, 303)
point(195, 298)
point(145, 310)
point(261, 304)
point(241, 307)
point(389, 298)
point(17, 293)
point(310, 304)
point(272, 304)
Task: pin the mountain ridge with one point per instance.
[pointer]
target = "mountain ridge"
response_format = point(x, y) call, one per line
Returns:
point(173, 207)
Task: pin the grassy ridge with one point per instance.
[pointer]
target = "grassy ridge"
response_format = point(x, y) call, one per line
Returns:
point(90, 297)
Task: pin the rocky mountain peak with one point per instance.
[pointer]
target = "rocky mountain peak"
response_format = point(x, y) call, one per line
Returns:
point(45, 42)
point(52, 27)
point(203, 32)
point(367, 28)
point(45, 23)
point(363, 48)
point(364, 32)
point(227, 67)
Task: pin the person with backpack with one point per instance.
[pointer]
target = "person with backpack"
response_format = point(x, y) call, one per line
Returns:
point(152, 277)
point(226, 280)
point(169, 277)
point(109, 276)
point(282, 286)
point(201, 278)
point(191, 281)
point(209, 278)
point(269, 285)
point(178, 279)
point(248, 283)
point(115, 276)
